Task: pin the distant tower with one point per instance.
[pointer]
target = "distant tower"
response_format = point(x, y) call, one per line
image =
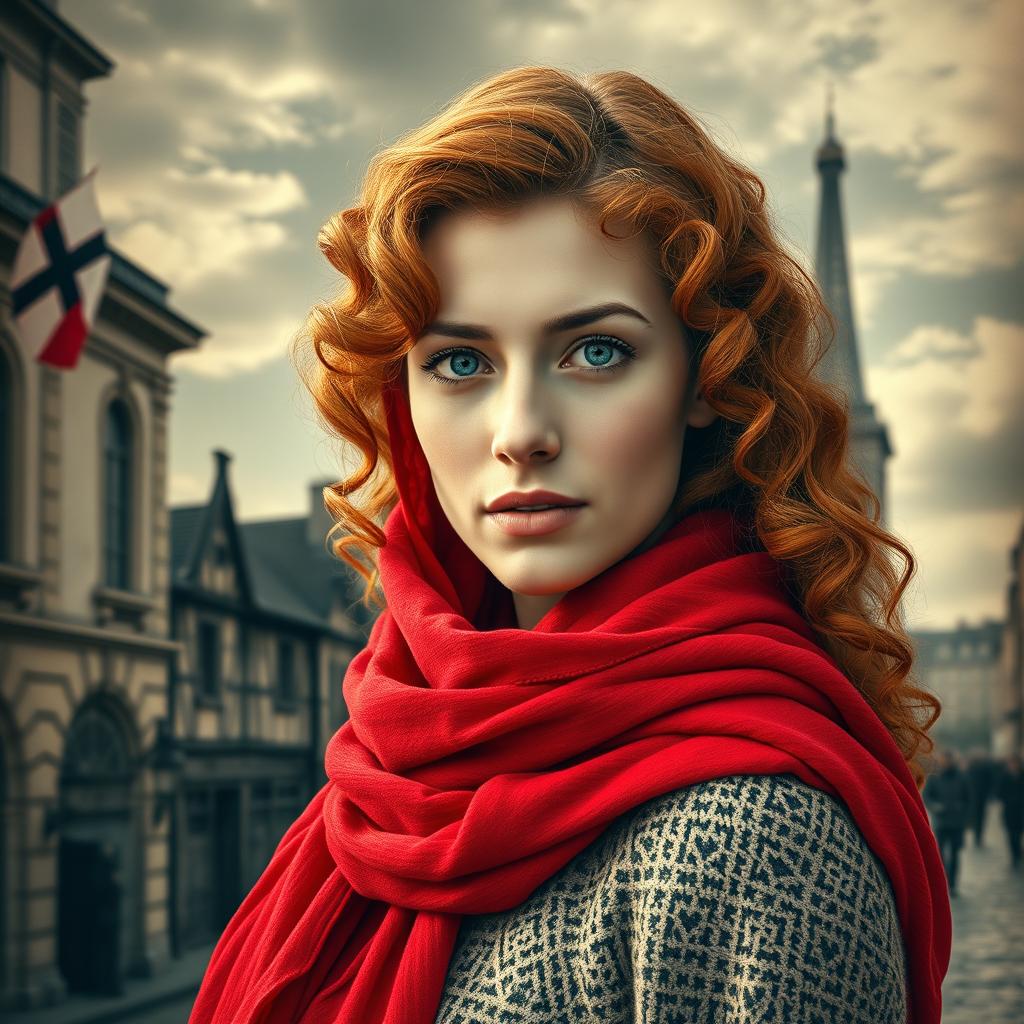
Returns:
point(869, 439)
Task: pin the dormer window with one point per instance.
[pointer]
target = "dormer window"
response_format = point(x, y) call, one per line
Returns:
point(221, 553)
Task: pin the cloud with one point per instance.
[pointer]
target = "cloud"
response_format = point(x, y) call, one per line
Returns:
point(243, 192)
point(972, 232)
point(251, 340)
point(953, 406)
point(962, 565)
point(188, 225)
point(933, 342)
point(199, 245)
point(254, 110)
point(981, 376)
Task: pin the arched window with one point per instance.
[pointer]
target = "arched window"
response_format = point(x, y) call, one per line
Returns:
point(6, 459)
point(95, 749)
point(117, 491)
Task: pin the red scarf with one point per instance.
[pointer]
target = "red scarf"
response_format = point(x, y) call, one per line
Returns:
point(478, 761)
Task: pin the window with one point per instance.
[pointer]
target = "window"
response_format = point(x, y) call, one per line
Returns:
point(209, 659)
point(117, 493)
point(221, 553)
point(95, 748)
point(67, 147)
point(286, 671)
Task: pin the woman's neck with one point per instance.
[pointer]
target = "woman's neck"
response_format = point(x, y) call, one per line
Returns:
point(531, 608)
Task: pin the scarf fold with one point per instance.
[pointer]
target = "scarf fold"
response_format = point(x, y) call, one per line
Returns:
point(479, 759)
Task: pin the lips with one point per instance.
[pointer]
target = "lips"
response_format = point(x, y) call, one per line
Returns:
point(532, 524)
point(529, 500)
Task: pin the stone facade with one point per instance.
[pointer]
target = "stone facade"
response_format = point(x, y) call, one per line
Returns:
point(961, 667)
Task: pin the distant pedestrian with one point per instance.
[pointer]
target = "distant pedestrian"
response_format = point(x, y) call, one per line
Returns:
point(1010, 792)
point(982, 773)
point(947, 794)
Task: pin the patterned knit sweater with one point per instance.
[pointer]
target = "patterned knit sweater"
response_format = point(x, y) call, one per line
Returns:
point(740, 900)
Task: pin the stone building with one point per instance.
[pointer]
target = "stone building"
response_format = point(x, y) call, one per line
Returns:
point(841, 366)
point(86, 653)
point(268, 621)
point(961, 667)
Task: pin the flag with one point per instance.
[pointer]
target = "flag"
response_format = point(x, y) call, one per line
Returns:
point(59, 273)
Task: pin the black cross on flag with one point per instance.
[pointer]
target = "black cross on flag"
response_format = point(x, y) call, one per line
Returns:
point(60, 271)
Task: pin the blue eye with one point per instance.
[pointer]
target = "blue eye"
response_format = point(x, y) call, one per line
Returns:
point(598, 347)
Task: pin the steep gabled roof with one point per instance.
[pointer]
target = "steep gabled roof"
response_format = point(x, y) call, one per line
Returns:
point(278, 569)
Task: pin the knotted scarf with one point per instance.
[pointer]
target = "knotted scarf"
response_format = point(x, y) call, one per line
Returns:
point(479, 758)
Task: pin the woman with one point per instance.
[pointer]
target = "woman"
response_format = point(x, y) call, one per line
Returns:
point(653, 756)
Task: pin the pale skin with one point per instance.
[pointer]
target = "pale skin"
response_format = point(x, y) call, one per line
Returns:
point(533, 409)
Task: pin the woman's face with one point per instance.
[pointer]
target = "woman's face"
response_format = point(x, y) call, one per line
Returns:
point(595, 410)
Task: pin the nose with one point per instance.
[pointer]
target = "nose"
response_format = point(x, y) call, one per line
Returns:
point(525, 423)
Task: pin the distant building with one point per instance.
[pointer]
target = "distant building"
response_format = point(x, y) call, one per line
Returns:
point(961, 667)
point(86, 654)
point(1009, 701)
point(841, 365)
point(268, 621)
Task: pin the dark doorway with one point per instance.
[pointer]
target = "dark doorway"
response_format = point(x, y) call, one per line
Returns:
point(212, 864)
point(89, 917)
point(98, 855)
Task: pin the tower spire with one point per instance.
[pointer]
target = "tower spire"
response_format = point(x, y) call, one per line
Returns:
point(842, 362)
point(840, 366)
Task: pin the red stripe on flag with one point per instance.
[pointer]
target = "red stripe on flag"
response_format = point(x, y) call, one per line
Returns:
point(66, 341)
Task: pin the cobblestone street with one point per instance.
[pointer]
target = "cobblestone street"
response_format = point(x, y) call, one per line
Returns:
point(985, 983)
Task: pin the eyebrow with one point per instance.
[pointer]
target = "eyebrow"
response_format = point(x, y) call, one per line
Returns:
point(565, 322)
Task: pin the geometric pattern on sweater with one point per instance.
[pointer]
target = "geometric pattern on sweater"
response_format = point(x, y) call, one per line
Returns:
point(744, 899)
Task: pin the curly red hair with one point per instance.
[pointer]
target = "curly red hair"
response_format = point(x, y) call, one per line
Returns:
point(757, 323)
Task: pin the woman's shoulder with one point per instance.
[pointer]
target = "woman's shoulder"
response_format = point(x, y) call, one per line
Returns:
point(736, 817)
point(768, 882)
point(770, 843)
point(754, 895)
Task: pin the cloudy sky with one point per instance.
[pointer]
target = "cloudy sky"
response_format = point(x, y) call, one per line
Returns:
point(229, 132)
